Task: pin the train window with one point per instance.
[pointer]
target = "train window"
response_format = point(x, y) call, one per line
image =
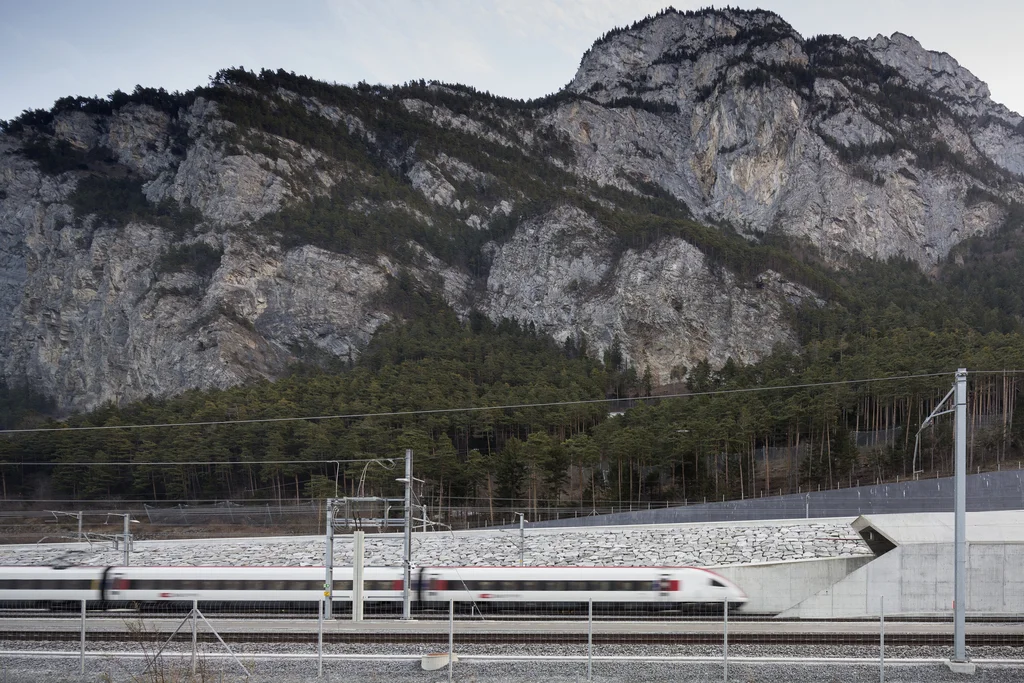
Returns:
point(575, 585)
point(717, 584)
point(342, 586)
point(510, 585)
point(555, 586)
point(529, 585)
point(601, 585)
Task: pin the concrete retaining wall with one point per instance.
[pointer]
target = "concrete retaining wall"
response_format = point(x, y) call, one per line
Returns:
point(918, 580)
point(778, 586)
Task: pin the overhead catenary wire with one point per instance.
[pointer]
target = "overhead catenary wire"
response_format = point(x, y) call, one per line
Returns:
point(471, 409)
point(173, 463)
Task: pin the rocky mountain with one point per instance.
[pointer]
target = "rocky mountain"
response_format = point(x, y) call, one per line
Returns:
point(878, 147)
point(154, 242)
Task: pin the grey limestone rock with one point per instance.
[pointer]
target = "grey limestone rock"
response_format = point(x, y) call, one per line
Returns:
point(716, 107)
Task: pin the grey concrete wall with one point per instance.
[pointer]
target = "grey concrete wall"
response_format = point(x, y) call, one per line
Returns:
point(777, 586)
point(918, 580)
point(987, 491)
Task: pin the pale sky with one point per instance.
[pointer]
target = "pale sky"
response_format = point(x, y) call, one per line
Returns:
point(516, 48)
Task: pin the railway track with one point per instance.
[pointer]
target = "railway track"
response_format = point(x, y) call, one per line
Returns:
point(434, 616)
point(138, 628)
point(553, 638)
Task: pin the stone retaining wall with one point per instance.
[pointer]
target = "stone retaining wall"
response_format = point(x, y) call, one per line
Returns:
point(686, 544)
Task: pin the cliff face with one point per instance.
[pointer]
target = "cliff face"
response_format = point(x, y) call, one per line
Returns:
point(152, 246)
point(876, 147)
point(669, 307)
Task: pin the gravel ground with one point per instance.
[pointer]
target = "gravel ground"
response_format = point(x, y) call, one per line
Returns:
point(385, 666)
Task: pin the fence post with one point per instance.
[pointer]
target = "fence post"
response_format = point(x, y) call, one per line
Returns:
point(81, 652)
point(451, 637)
point(725, 640)
point(320, 641)
point(881, 639)
point(590, 638)
point(195, 616)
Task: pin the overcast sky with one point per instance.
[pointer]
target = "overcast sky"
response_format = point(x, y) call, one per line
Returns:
point(516, 48)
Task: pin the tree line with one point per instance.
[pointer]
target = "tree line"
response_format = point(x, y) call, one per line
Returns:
point(795, 433)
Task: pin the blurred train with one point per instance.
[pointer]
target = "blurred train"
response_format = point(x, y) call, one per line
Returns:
point(301, 588)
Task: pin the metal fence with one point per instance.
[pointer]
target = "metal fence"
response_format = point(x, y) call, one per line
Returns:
point(592, 642)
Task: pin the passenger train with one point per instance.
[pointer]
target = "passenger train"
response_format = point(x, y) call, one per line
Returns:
point(290, 588)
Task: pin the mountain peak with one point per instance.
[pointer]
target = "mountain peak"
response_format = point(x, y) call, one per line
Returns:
point(672, 36)
point(936, 72)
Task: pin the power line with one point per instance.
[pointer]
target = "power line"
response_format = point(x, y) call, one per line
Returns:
point(471, 409)
point(140, 463)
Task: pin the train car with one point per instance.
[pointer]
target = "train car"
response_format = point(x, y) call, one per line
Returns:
point(46, 587)
point(302, 588)
point(263, 588)
point(572, 588)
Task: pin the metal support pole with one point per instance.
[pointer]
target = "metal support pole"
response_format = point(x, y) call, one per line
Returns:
point(195, 623)
point(127, 539)
point(522, 536)
point(357, 576)
point(320, 641)
point(407, 555)
point(881, 639)
point(590, 639)
point(81, 649)
point(329, 560)
point(79, 526)
point(959, 569)
point(725, 640)
point(451, 637)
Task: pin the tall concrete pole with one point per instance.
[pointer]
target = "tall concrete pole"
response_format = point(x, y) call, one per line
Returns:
point(357, 576)
point(406, 558)
point(960, 521)
point(329, 560)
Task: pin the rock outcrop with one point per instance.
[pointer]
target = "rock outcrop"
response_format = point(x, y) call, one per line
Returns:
point(668, 307)
point(879, 147)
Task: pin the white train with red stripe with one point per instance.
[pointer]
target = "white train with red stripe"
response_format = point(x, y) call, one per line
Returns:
point(605, 587)
point(482, 588)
